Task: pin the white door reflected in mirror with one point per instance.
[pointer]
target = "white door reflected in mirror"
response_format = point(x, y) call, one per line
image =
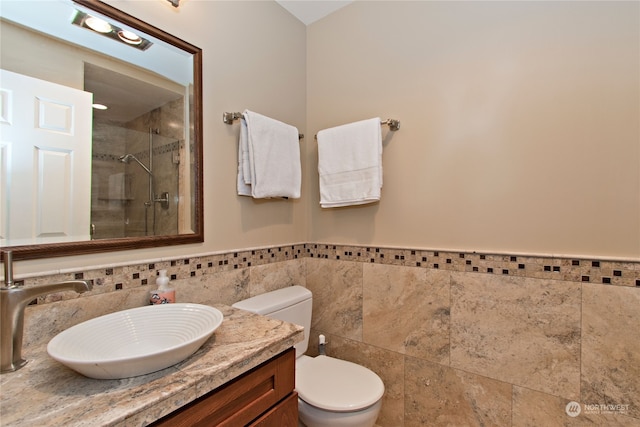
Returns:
point(44, 133)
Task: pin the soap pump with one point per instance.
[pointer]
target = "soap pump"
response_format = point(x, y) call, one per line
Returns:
point(164, 294)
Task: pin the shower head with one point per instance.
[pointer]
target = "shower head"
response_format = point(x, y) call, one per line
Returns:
point(127, 159)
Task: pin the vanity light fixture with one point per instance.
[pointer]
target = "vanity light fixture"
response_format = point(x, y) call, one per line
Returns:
point(111, 31)
point(98, 25)
point(129, 37)
point(174, 3)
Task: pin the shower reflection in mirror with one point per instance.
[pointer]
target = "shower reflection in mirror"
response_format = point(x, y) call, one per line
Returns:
point(135, 181)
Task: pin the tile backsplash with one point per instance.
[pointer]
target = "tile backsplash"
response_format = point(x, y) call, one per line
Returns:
point(119, 277)
point(115, 278)
point(621, 273)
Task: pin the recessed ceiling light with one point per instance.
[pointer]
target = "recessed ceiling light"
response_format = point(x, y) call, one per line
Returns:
point(99, 106)
point(129, 37)
point(111, 31)
point(97, 24)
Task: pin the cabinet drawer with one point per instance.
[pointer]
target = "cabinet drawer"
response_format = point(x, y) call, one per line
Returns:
point(285, 414)
point(242, 400)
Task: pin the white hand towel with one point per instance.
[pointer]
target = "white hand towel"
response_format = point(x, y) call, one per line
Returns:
point(274, 158)
point(350, 164)
point(244, 170)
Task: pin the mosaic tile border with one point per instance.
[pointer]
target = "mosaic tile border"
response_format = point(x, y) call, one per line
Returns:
point(142, 155)
point(620, 273)
point(110, 279)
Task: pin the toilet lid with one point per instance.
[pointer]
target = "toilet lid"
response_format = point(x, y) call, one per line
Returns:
point(337, 385)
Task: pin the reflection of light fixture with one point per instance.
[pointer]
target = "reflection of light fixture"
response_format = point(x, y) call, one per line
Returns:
point(99, 106)
point(129, 37)
point(109, 30)
point(174, 3)
point(97, 24)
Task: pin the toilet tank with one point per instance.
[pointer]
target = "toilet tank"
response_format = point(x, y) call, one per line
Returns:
point(292, 304)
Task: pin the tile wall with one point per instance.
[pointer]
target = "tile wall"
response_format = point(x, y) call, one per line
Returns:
point(460, 339)
point(466, 339)
point(119, 191)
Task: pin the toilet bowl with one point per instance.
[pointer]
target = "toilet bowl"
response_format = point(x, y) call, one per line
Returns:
point(331, 392)
point(337, 393)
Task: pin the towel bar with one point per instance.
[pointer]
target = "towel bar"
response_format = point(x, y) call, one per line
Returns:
point(394, 125)
point(229, 118)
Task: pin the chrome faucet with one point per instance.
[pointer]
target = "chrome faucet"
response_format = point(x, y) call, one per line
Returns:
point(13, 300)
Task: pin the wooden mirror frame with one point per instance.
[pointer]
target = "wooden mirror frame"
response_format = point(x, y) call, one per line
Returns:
point(49, 250)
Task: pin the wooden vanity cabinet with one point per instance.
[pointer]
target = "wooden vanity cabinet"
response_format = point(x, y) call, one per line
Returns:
point(262, 397)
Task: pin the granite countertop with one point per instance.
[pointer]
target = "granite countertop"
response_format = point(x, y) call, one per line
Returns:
point(46, 393)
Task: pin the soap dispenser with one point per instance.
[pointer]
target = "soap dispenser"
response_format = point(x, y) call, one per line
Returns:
point(164, 294)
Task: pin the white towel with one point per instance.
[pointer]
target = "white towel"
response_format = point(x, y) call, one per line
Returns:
point(273, 166)
point(350, 164)
point(244, 170)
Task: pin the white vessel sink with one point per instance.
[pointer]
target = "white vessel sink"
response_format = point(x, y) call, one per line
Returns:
point(135, 342)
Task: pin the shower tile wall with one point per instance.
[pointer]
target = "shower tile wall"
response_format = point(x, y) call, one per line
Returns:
point(459, 339)
point(163, 219)
point(166, 157)
point(110, 186)
point(123, 214)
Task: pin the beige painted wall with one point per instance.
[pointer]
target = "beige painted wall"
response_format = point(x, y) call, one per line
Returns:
point(520, 123)
point(254, 58)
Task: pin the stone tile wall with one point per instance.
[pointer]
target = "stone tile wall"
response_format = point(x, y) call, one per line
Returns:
point(459, 339)
point(223, 278)
point(465, 339)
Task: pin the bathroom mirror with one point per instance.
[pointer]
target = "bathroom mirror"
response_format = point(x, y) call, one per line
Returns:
point(76, 178)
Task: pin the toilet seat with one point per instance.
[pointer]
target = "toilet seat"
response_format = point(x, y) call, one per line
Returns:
point(337, 385)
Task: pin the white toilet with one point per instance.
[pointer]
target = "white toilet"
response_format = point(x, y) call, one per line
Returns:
point(331, 392)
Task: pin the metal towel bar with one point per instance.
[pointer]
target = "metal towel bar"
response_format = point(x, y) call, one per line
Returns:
point(229, 118)
point(394, 125)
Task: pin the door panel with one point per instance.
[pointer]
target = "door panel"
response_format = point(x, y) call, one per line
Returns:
point(45, 173)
